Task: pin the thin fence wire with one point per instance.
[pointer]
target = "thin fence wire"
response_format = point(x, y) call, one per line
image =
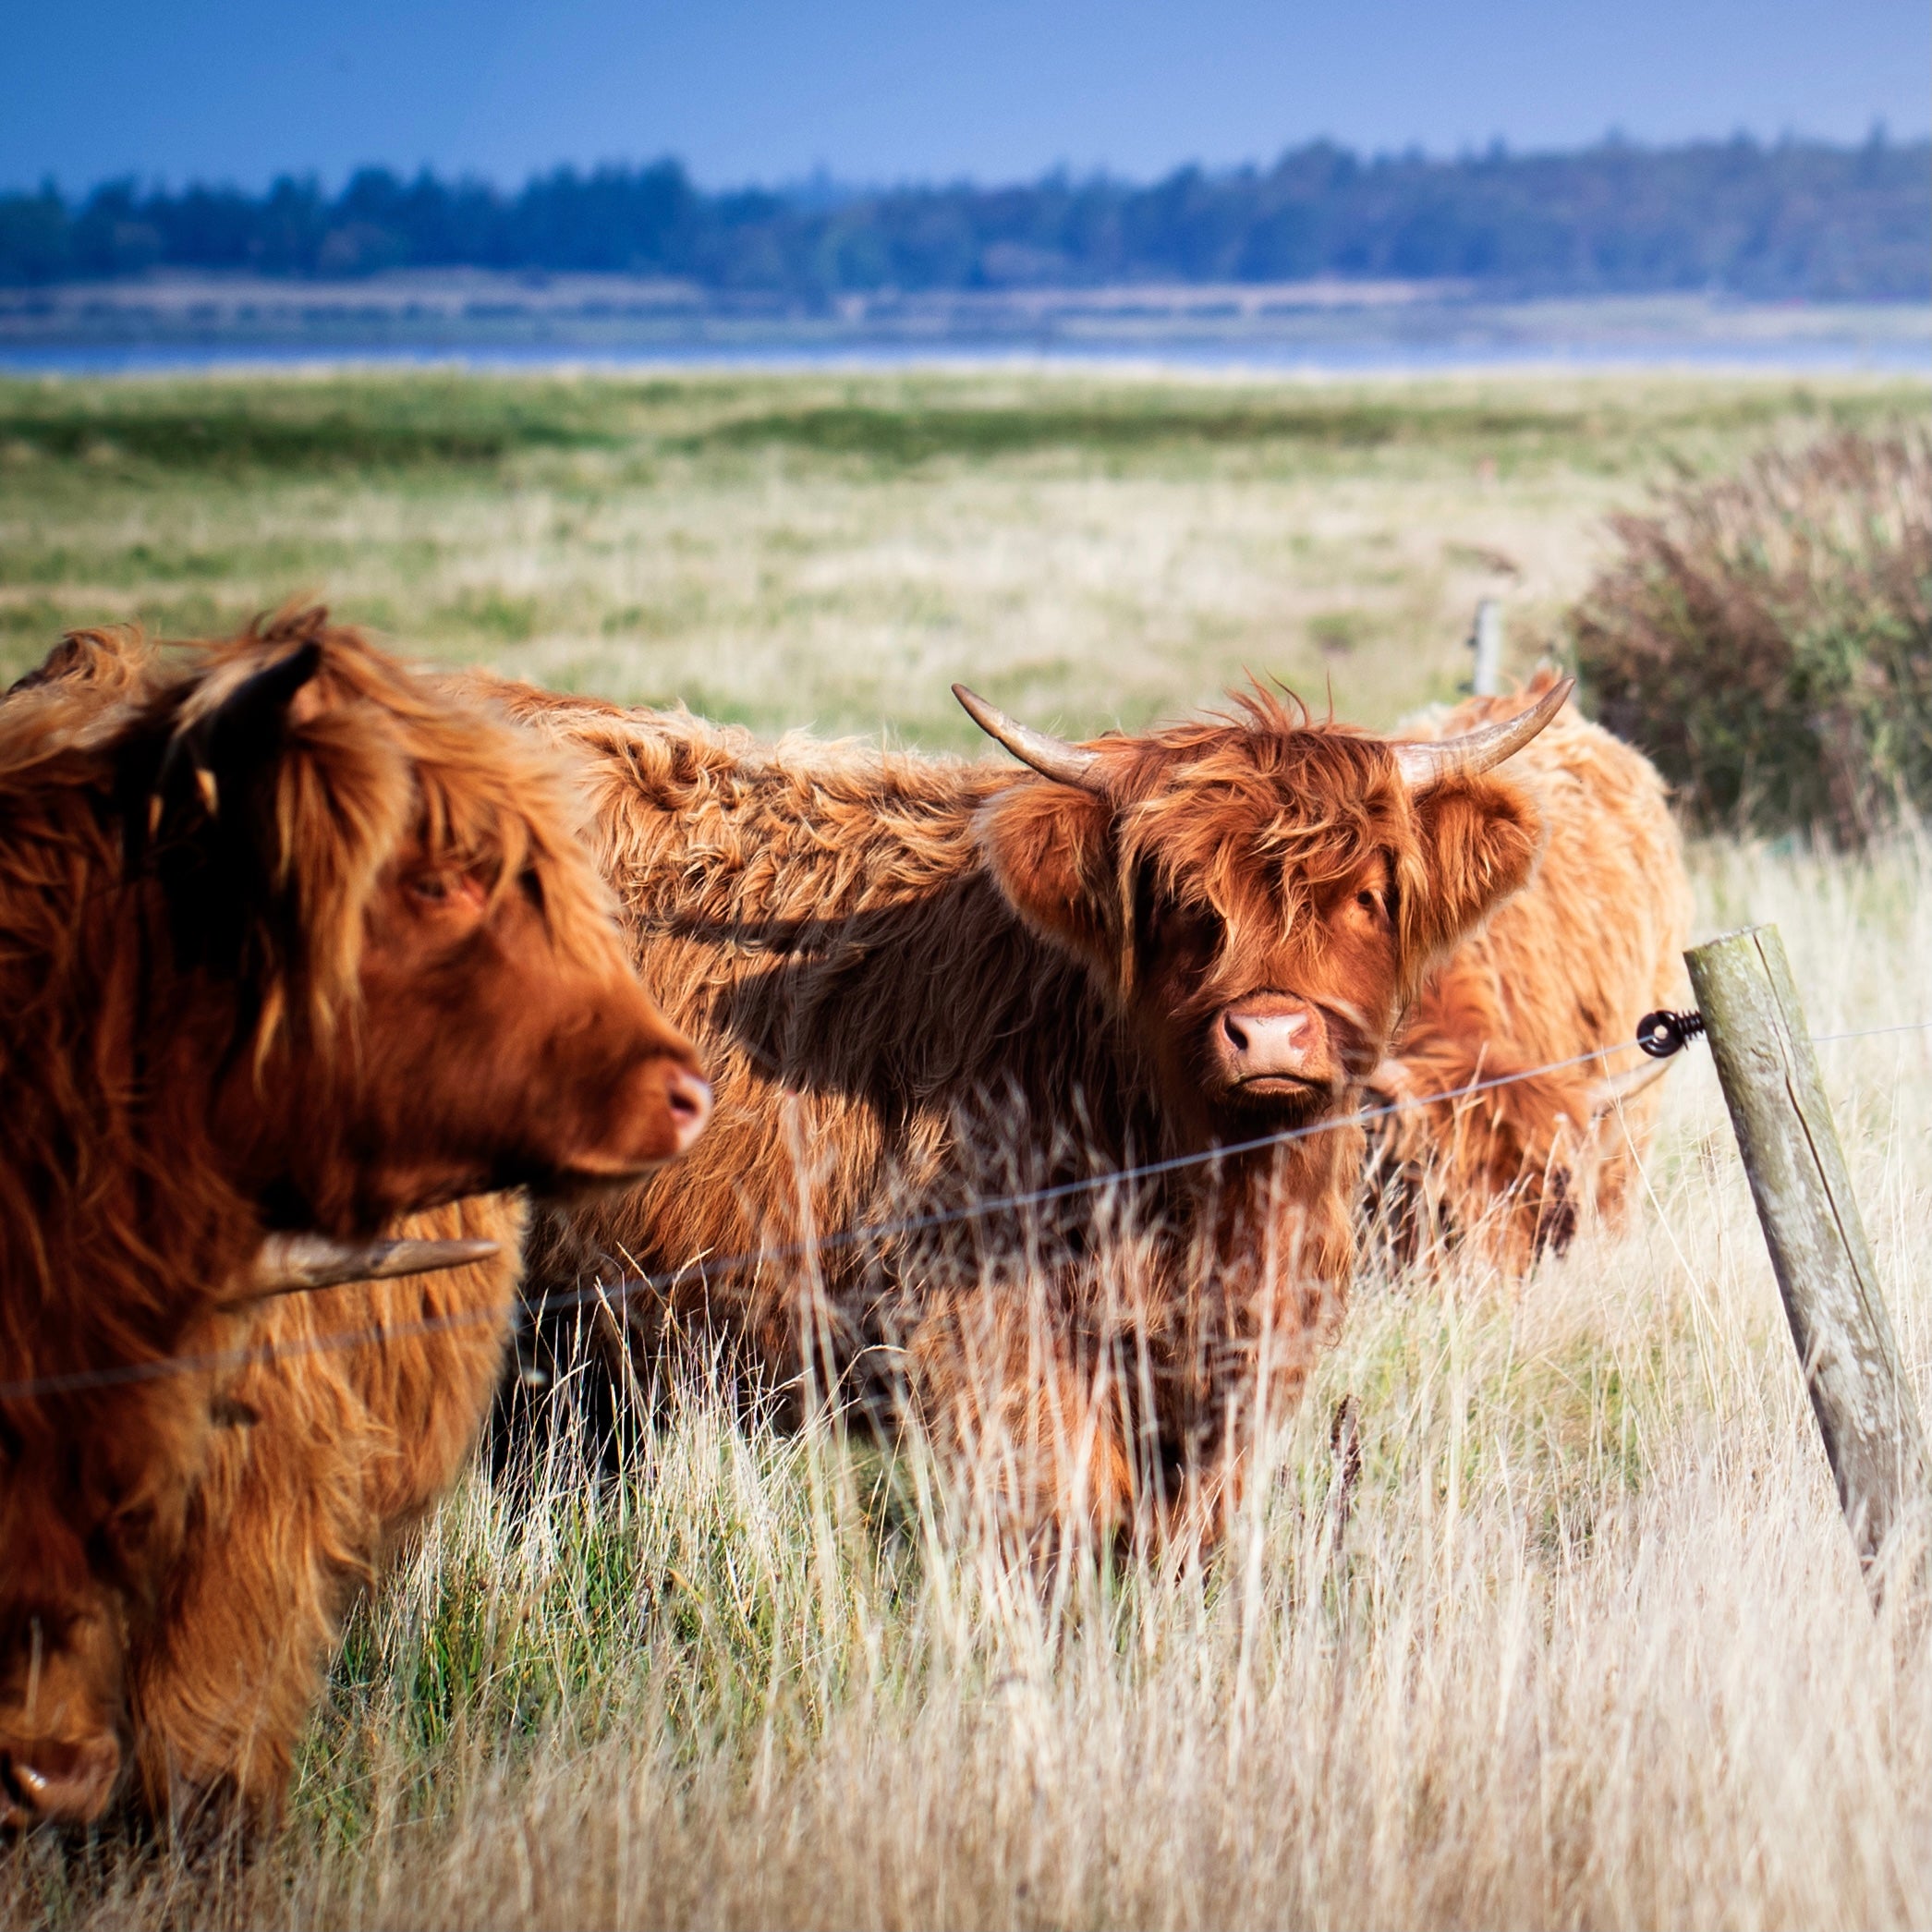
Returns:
point(620, 1292)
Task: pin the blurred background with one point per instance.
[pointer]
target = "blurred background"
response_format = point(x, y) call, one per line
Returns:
point(790, 362)
point(622, 176)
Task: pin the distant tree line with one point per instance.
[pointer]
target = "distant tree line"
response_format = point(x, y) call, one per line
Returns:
point(1797, 218)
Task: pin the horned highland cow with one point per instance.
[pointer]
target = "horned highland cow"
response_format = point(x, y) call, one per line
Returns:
point(920, 983)
point(288, 942)
point(1567, 966)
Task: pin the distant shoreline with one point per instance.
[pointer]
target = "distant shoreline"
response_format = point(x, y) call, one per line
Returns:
point(1232, 360)
point(476, 320)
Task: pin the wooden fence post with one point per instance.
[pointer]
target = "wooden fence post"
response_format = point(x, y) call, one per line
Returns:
point(1846, 1349)
point(1486, 642)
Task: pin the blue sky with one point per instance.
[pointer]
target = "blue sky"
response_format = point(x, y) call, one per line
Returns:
point(881, 91)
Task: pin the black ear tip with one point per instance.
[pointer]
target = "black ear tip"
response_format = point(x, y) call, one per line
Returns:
point(285, 679)
point(262, 694)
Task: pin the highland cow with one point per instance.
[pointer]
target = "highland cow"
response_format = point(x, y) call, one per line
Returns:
point(920, 983)
point(1563, 971)
point(288, 940)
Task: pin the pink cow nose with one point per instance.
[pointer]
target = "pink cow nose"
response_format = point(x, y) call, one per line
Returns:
point(688, 1098)
point(1269, 1036)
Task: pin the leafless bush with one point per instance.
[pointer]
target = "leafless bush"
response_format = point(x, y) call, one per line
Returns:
point(1768, 638)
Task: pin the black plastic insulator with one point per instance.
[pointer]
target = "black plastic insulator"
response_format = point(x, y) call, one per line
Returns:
point(1662, 1033)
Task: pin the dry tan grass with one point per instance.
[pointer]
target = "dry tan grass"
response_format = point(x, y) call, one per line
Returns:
point(836, 549)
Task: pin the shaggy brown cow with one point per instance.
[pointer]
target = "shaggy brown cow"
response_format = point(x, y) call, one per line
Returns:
point(1567, 966)
point(920, 981)
point(286, 941)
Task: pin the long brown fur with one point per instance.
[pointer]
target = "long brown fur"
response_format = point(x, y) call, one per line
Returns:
point(361, 1407)
point(1567, 966)
point(348, 962)
point(920, 983)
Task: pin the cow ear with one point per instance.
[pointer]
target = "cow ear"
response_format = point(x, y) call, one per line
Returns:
point(110, 662)
point(225, 748)
point(1479, 839)
point(201, 818)
point(1046, 846)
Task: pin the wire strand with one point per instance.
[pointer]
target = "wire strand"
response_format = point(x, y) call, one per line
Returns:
point(999, 1204)
point(620, 1291)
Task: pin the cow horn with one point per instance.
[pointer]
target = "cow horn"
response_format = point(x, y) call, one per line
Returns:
point(1051, 757)
point(290, 1263)
point(1621, 1088)
point(1425, 763)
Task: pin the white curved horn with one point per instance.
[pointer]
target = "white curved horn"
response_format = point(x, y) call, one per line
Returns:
point(1051, 757)
point(1621, 1088)
point(1425, 763)
point(290, 1263)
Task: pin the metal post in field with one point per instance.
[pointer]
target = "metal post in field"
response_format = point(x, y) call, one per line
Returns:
point(1486, 642)
point(1846, 1349)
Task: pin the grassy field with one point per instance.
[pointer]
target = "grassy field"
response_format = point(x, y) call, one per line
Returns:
point(835, 549)
point(1587, 1644)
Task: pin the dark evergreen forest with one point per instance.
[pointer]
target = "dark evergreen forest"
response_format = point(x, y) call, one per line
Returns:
point(1794, 219)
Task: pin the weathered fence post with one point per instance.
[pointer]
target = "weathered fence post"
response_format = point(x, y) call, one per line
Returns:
point(1846, 1348)
point(1486, 642)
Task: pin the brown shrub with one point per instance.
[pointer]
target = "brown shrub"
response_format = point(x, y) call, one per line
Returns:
point(1768, 638)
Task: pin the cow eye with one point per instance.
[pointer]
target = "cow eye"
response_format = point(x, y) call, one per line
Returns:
point(1169, 932)
point(432, 887)
point(1369, 901)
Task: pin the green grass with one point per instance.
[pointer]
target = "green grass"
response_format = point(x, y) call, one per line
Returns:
point(1111, 427)
point(139, 430)
point(837, 549)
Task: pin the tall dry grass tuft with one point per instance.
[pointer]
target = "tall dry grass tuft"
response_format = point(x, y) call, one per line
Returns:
point(1563, 1627)
point(1768, 638)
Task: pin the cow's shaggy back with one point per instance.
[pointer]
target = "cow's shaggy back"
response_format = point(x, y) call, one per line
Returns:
point(823, 912)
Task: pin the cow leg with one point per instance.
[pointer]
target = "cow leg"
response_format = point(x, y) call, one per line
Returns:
point(221, 1688)
point(1031, 1423)
point(1272, 1278)
point(1502, 1167)
point(330, 1456)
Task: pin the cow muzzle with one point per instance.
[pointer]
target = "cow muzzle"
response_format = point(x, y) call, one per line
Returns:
point(662, 1105)
point(687, 1105)
point(61, 1661)
point(1272, 1046)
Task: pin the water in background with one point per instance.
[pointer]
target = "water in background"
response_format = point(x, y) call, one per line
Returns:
point(1886, 353)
